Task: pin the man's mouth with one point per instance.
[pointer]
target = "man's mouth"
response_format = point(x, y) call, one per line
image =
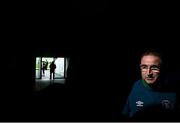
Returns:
point(149, 78)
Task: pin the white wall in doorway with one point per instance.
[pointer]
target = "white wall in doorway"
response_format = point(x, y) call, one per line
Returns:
point(59, 66)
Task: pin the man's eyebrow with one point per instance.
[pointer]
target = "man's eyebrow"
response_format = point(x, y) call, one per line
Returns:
point(154, 65)
point(150, 65)
point(143, 65)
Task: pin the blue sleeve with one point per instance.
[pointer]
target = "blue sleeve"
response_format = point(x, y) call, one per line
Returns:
point(126, 109)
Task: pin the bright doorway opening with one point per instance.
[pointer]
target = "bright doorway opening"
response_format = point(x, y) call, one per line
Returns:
point(43, 71)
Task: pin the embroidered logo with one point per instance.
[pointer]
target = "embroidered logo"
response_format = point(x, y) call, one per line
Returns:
point(167, 104)
point(139, 103)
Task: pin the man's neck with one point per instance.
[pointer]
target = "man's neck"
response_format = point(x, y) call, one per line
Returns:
point(146, 84)
point(154, 86)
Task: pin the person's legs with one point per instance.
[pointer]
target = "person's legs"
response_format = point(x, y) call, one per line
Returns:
point(50, 74)
point(53, 74)
point(43, 71)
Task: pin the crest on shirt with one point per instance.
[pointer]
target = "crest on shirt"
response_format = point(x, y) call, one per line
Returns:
point(167, 104)
point(139, 103)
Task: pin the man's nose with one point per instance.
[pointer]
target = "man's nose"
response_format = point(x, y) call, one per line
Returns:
point(150, 75)
point(149, 71)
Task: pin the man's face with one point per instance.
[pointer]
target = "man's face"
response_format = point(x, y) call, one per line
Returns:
point(150, 68)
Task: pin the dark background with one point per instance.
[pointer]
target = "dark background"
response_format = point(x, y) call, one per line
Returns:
point(103, 39)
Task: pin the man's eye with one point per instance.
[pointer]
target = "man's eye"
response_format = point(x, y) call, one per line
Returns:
point(155, 67)
point(144, 67)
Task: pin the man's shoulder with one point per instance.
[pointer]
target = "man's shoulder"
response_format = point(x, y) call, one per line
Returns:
point(136, 86)
point(137, 83)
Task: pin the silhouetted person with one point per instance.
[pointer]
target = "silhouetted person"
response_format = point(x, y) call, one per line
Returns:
point(43, 67)
point(46, 65)
point(52, 69)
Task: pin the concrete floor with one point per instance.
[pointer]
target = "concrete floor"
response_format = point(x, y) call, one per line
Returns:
point(45, 80)
point(47, 74)
point(43, 83)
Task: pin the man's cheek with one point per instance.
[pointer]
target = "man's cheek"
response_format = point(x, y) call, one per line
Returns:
point(143, 76)
point(157, 72)
point(156, 75)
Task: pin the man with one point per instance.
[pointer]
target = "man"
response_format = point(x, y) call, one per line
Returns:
point(52, 69)
point(147, 97)
point(43, 68)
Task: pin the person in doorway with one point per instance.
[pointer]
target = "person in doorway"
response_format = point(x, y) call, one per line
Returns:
point(43, 67)
point(147, 98)
point(46, 65)
point(52, 70)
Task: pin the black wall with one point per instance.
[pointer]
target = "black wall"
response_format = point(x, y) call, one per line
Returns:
point(104, 43)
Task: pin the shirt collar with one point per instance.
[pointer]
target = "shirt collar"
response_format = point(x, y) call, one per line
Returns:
point(145, 84)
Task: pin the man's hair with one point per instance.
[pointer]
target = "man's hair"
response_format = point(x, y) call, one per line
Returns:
point(152, 52)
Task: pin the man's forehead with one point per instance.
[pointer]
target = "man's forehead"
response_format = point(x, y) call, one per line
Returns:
point(150, 59)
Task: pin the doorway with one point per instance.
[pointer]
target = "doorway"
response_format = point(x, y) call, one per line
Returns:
point(42, 70)
point(44, 73)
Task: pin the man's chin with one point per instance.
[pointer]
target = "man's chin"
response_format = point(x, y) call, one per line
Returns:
point(150, 81)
